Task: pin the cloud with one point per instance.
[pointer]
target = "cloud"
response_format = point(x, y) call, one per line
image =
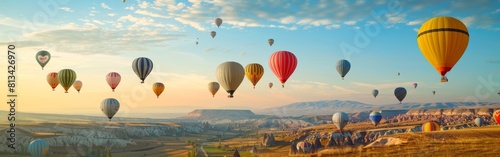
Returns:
point(414, 22)
point(143, 5)
point(496, 11)
point(111, 14)
point(383, 85)
point(103, 5)
point(130, 8)
point(345, 90)
point(468, 20)
point(140, 21)
point(98, 22)
point(147, 13)
point(350, 22)
point(83, 39)
point(66, 9)
point(287, 20)
point(494, 61)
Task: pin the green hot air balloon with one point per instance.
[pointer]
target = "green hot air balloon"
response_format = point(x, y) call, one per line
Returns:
point(42, 57)
point(66, 78)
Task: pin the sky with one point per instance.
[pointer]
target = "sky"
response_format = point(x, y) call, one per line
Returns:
point(378, 38)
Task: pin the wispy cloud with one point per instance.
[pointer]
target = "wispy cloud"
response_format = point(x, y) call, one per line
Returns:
point(103, 5)
point(494, 61)
point(66, 9)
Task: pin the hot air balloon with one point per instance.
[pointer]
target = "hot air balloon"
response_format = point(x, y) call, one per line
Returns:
point(375, 93)
point(109, 107)
point(196, 42)
point(496, 116)
point(283, 64)
point(230, 75)
point(443, 41)
point(270, 42)
point(415, 85)
point(142, 66)
point(479, 121)
point(113, 79)
point(38, 148)
point(78, 85)
point(213, 87)
point(340, 119)
point(158, 88)
point(304, 146)
point(52, 80)
point(270, 85)
point(433, 92)
point(66, 78)
point(430, 126)
point(375, 117)
point(254, 72)
point(498, 93)
point(400, 93)
point(213, 33)
point(43, 57)
point(123, 1)
point(399, 74)
point(218, 22)
point(343, 67)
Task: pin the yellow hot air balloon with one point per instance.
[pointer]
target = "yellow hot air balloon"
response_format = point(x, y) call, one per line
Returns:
point(213, 87)
point(158, 88)
point(254, 72)
point(443, 41)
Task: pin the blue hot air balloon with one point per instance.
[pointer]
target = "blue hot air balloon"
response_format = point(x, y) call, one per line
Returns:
point(400, 93)
point(340, 119)
point(38, 148)
point(479, 121)
point(142, 66)
point(375, 117)
point(343, 67)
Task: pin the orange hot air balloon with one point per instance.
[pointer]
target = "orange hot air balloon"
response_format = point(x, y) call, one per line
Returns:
point(158, 88)
point(52, 80)
point(430, 126)
point(443, 41)
point(78, 85)
point(496, 116)
point(254, 73)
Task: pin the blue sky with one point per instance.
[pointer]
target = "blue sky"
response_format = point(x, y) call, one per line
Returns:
point(97, 37)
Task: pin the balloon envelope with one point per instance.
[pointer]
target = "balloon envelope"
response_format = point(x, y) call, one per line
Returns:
point(415, 85)
point(443, 40)
point(433, 92)
point(479, 121)
point(340, 119)
point(343, 67)
point(496, 116)
point(304, 146)
point(38, 148)
point(78, 85)
point(212, 34)
point(52, 80)
point(270, 42)
point(43, 57)
point(109, 107)
point(430, 126)
point(375, 93)
point(270, 85)
point(213, 87)
point(400, 93)
point(113, 79)
point(283, 64)
point(66, 78)
point(254, 73)
point(375, 117)
point(230, 75)
point(218, 22)
point(142, 66)
point(158, 88)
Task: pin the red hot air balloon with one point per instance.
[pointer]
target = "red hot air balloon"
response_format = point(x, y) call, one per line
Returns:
point(113, 79)
point(283, 63)
point(496, 116)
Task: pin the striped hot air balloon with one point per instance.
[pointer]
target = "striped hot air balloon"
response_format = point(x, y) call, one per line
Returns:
point(283, 64)
point(343, 67)
point(66, 78)
point(443, 41)
point(158, 88)
point(400, 94)
point(113, 79)
point(430, 126)
point(254, 73)
point(38, 148)
point(230, 75)
point(142, 66)
point(52, 80)
point(375, 117)
point(340, 119)
point(109, 107)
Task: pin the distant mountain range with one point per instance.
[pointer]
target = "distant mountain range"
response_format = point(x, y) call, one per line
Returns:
point(331, 106)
